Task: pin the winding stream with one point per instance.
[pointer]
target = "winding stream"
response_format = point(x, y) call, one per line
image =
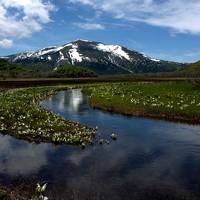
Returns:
point(151, 159)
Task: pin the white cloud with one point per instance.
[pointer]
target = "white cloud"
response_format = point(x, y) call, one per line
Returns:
point(180, 15)
point(5, 43)
point(90, 26)
point(21, 18)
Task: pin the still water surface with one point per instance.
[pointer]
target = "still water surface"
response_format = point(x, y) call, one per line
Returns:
point(151, 159)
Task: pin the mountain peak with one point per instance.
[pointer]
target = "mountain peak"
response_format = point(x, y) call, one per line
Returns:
point(102, 58)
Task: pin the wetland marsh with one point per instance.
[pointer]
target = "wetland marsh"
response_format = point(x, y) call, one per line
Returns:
point(151, 159)
point(176, 101)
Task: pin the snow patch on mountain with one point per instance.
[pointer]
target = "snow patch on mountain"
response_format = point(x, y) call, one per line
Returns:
point(153, 59)
point(156, 60)
point(67, 45)
point(75, 55)
point(42, 52)
point(47, 51)
point(114, 49)
point(62, 57)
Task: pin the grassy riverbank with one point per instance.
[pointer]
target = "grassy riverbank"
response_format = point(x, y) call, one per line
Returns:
point(178, 101)
point(21, 116)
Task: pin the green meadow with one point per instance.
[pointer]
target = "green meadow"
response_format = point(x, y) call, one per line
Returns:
point(169, 100)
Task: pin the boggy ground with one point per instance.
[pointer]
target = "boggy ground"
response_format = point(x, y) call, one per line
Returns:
point(175, 101)
point(21, 116)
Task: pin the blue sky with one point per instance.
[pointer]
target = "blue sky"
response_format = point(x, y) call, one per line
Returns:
point(164, 29)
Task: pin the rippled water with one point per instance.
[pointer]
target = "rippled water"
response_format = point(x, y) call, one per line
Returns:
point(150, 160)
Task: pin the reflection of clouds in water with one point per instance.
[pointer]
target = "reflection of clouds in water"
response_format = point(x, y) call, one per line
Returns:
point(76, 99)
point(77, 157)
point(181, 137)
point(145, 163)
point(148, 152)
point(61, 103)
point(69, 101)
point(24, 158)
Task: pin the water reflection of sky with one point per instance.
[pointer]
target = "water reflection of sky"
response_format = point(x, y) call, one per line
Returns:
point(150, 155)
point(17, 157)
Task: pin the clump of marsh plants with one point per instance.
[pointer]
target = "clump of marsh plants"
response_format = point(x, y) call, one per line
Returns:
point(40, 190)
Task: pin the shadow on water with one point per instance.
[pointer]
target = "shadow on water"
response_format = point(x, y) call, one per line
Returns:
point(150, 160)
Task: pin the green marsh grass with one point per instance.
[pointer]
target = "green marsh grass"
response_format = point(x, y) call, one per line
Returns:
point(170, 100)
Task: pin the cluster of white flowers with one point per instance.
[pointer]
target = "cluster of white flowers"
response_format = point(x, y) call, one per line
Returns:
point(40, 189)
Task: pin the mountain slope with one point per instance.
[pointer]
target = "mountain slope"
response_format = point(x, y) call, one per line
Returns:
point(193, 67)
point(12, 70)
point(6, 66)
point(103, 59)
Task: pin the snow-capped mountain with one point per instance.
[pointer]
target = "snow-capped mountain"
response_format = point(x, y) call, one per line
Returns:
point(102, 58)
